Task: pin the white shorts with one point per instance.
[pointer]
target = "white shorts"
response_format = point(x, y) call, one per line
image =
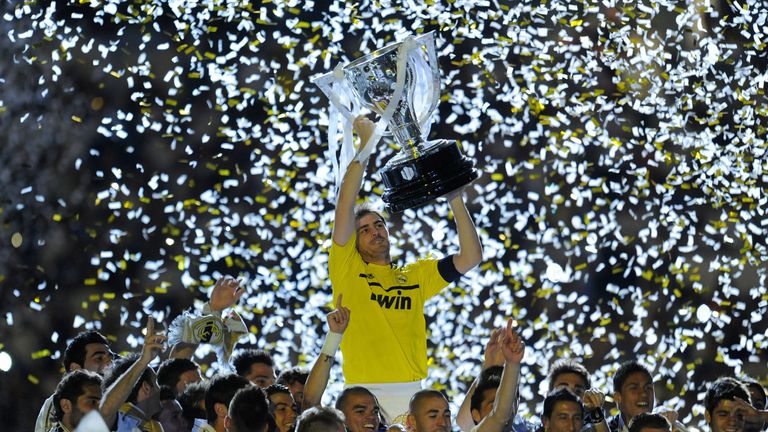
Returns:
point(393, 397)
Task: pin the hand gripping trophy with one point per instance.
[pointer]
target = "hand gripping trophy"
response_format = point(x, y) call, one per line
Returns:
point(400, 83)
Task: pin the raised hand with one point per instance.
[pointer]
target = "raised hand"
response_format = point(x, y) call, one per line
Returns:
point(669, 414)
point(746, 409)
point(364, 128)
point(226, 293)
point(493, 355)
point(338, 319)
point(592, 399)
point(512, 345)
point(153, 343)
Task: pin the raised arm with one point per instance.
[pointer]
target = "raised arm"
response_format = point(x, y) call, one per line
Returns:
point(470, 251)
point(513, 349)
point(749, 412)
point(493, 357)
point(225, 294)
point(344, 222)
point(119, 391)
point(593, 401)
point(317, 381)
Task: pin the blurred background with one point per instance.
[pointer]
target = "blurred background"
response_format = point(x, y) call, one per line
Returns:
point(151, 147)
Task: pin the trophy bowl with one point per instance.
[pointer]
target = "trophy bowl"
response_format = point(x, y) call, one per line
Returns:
point(422, 170)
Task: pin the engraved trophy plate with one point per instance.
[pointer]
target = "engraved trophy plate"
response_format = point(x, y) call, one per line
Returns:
point(422, 170)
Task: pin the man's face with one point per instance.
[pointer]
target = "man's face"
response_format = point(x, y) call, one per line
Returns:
point(261, 375)
point(636, 395)
point(574, 382)
point(97, 357)
point(372, 236)
point(566, 417)
point(431, 415)
point(282, 408)
point(86, 402)
point(297, 391)
point(171, 417)
point(149, 396)
point(489, 396)
point(186, 378)
point(725, 418)
point(361, 413)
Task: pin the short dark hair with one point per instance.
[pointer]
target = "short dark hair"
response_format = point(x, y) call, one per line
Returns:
point(118, 368)
point(725, 388)
point(320, 419)
point(564, 366)
point(420, 395)
point(560, 394)
point(243, 360)
point(249, 410)
point(649, 420)
point(221, 389)
point(489, 379)
point(169, 372)
point(75, 351)
point(755, 386)
point(293, 375)
point(277, 388)
point(349, 391)
point(190, 399)
point(71, 387)
point(625, 370)
point(366, 209)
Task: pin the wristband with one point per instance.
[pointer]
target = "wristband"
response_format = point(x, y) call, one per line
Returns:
point(332, 342)
point(595, 416)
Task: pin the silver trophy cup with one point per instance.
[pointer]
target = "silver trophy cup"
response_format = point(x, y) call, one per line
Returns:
point(422, 170)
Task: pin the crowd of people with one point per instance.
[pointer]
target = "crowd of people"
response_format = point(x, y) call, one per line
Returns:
point(378, 323)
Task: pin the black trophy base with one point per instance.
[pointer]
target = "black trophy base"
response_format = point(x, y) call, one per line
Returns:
point(414, 182)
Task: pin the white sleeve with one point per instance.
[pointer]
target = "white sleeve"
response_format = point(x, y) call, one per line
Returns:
point(92, 422)
point(43, 423)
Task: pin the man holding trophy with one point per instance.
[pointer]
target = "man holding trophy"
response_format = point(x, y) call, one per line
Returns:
point(384, 347)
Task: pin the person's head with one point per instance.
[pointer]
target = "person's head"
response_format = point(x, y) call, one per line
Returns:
point(192, 401)
point(321, 419)
point(248, 411)
point(146, 392)
point(428, 411)
point(371, 235)
point(563, 411)
point(294, 378)
point(756, 393)
point(89, 350)
point(177, 373)
point(633, 389)
point(758, 396)
point(648, 422)
point(719, 405)
point(256, 365)
point(484, 396)
point(171, 415)
point(569, 373)
point(77, 394)
point(282, 407)
point(221, 390)
point(360, 408)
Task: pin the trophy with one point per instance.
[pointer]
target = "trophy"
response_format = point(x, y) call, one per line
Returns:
point(401, 83)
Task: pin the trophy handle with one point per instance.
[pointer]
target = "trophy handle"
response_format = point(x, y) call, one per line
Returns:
point(339, 93)
point(433, 80)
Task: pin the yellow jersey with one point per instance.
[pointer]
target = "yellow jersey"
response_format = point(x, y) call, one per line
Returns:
point(386, 340)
